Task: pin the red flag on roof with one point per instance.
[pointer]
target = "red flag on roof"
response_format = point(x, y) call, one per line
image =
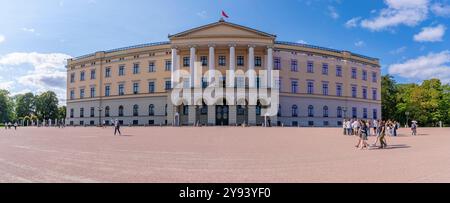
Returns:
point(224, 14)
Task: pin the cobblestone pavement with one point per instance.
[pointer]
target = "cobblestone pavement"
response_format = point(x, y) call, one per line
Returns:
point(218, 154)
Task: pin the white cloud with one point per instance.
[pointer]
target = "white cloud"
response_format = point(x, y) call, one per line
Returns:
point(2, 38)
point(6, 85)
point(431, 34)
point(302, 41)
point(352, 22)
point(360, 43)
point(398, 51)
point(202, 14)
point(441, 9)
point(398, 12)
point(48, 72)
point(433, 65)
point(28, 30)
point(332, 12)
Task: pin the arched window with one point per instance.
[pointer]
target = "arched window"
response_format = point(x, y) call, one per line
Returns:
point(294, 111)
point(136, 110)
point(151, 110)
point(310, 111)
point(107, 111)
point(339, 112)
point(325, 111)
point(120, 111)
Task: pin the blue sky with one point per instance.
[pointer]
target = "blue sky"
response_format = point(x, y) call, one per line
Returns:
point(409, 36)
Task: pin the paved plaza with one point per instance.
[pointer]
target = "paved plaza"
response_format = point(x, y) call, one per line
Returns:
point(219, 154)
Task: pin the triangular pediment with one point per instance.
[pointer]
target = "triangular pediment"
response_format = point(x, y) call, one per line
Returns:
point(222, 29)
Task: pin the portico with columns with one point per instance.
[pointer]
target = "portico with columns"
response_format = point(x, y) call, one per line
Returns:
point(220, 46)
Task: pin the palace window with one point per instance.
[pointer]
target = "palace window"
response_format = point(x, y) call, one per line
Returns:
point(82, 76)
point(338, 71)
point(107, 110)
point(339, 90)
point(151, 67)
point(339, 112)
point(294, 65)
point(81, 112)
point(107, 90)
point(71, 113)
point(136, 110)
point(121, 70)
point(92, 92)
point(310, 111)
point(81, 93)
point(294, 111)
point(121, 89)
point(204, 60)
point(365, 113)
point(364, 91)
point(93, 75)
point(72, 94)
point(92, 112)
point(168, 84)
point(185, 110)
point(354, 112)
point(258, 61)
point(325, 88)
point(151, 110)
point(151, 87)
point(310, 67)
point(354, 73)
point(374, 77)
point(375, 114)
point(310, 87)
point(186, 61)
point(354, 92)
point(374, 94)
point(325, 69)
point(325, 111)
point(364, 75)
point(136, 68)
point(108, 72)
point(121, 111)
point(240, 60)
point(222, 61)
point(277, 63)
point(135, 88)
point(294, 86)
point(72, 78)
point(168, 65)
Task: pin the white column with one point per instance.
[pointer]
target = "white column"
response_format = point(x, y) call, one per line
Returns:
point(192, 65)
point(173, 66)
point(232, 65)
point(251, 65)
point(211, 63)
point(270, 81)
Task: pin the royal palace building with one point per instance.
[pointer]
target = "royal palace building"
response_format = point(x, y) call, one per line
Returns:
point(317, 86)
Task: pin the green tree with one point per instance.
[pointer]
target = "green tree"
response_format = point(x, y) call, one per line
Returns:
point(25, 105)
point(47, 105)
point(6, 107)
point(388, 97)
point(62, 112)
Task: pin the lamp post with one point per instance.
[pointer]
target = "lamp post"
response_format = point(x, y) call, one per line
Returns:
point(407, 118)
point(100, 109)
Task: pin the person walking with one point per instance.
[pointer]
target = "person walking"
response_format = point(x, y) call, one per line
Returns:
point(414, 128)
point(382, 136)
point(375, 127)
point(364, 131)
point(344, 126)
point(15, 125)
point(117, 127)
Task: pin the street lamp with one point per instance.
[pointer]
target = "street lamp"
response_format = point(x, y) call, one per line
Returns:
point(100, 109)
point(407, 118)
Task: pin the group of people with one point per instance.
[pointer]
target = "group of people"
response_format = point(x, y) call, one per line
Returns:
point(379, 128)
point(9, 125)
